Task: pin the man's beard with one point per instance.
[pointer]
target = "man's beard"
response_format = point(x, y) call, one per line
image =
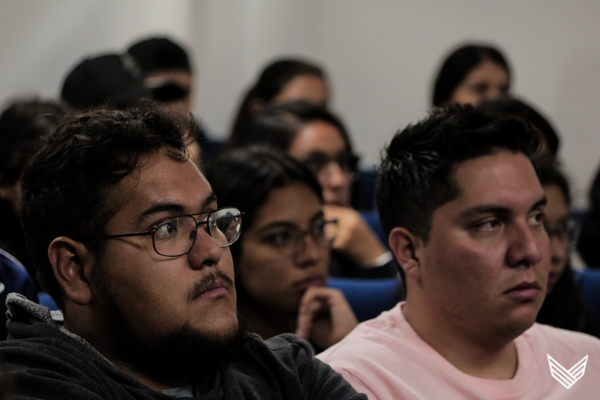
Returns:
point(184, 351)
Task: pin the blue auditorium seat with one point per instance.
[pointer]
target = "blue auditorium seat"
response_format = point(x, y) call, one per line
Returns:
point(368, 297)
point(589, 286)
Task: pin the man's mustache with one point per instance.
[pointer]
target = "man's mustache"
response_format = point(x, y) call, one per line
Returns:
point(205, 283)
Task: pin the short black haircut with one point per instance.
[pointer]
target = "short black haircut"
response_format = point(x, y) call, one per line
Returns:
point(458, 64)
point(68, 188)
point(512, 107)
point(244, 178)
point(416, 174)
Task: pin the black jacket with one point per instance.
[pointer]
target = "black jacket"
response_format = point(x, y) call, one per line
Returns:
point(46, 362)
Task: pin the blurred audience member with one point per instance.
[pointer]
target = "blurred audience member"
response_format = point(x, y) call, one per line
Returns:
point(167, 71)
point(113, 80)
point(169, 77)
point(589, 238)
point(281, 81)
point(318, 139)
point(563, 307)
point(511, 107)
point(281, 260)
point(23, 123)
point(470, 74)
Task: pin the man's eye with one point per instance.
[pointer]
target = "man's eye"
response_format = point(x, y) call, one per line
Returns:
point(488, 225)
point(538, 218)
point(166, 229)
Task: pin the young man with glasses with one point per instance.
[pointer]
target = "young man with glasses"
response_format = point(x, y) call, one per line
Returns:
point(127, 237)
point(464, 212)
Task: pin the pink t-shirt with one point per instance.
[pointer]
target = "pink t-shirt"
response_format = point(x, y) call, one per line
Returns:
point(386, 359)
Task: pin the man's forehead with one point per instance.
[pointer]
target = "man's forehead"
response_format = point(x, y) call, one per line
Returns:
point(160, 179)
point(500, 176)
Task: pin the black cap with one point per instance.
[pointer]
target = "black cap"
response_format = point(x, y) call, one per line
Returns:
point(107, 78)
point(159, 53)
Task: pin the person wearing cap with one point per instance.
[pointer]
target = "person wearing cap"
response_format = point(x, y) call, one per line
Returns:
point(107, 79)
point(169, 77)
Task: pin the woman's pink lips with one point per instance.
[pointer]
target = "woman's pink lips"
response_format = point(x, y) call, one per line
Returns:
point(310, 282)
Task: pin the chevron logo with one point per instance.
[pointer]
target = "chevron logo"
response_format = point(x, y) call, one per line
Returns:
point(565, 377)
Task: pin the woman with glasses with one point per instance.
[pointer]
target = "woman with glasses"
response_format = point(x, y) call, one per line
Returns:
point(319, 140)
point(282, 257)
point(563, 306)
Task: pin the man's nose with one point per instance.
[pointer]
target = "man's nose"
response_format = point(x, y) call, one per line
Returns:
point(527, 245)
point(205, 251)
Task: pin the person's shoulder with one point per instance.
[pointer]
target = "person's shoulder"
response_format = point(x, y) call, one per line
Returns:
point(376, 333)
point(551, 337)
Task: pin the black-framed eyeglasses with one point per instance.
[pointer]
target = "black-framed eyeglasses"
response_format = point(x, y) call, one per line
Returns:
point(289, 240)
point(320, 163)
point(565, 232)
point(175, 236)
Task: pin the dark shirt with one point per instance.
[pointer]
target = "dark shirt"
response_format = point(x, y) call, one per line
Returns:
point(46, 362)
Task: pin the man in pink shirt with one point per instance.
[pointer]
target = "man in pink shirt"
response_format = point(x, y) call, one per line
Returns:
point(463, 210)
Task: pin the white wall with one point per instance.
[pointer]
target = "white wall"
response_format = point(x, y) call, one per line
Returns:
point(381, 54)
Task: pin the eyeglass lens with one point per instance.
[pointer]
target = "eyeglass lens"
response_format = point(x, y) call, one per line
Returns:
point(176, 236)
point(318, 163)
point(290, 241)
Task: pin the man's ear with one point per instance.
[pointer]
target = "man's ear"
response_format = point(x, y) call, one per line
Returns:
point(72, 262)
point(405, 245)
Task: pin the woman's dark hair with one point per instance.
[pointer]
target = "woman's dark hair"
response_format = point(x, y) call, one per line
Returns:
point(22, 125)
point(277, 125)
point(270, 83)
point(244, 178)
point(563, 307)
point(511, 107)
point(458, 64)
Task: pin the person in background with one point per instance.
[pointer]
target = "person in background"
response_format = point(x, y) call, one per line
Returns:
point(23, 125)
point(127, 236)
point(511, 107)
point(282, 80)
point(470, 74)
point(464, 211)
point(563, 307)
point(282, 258)
point(169, 77)
point(319, 140)
point(589, 237)
point(113, 80)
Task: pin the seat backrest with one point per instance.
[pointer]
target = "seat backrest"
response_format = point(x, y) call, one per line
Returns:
point(588, 282)
point(368, 297)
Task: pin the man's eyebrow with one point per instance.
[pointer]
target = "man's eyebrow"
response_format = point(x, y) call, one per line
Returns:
point(158, 208)
point(496, 209)
point(211, 198)
point(541, 202)
point(176, 209)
